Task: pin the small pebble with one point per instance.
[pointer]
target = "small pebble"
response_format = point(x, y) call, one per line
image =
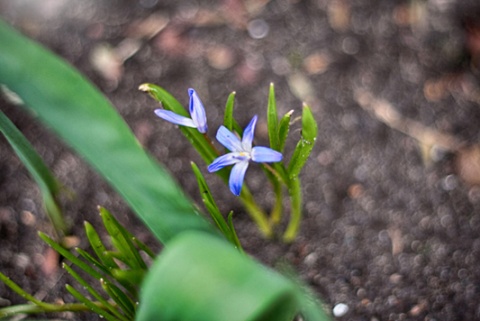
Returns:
point(340, 310)
point(258, 28)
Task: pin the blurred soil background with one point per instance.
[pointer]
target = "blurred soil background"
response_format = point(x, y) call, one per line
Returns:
point(392, 206)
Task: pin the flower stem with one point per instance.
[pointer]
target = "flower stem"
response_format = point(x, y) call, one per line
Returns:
point(256, 213)
point(295, 193)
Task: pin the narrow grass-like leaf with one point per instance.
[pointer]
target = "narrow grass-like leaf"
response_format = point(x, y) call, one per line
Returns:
point(123, 301)
point(93, 261)
point(49, 186)
point(272, 119)
point(228, 117)
point(98, 246)
point(131, 277)
point(15, 287)
point(234, 235)
point(122, 240)
point(209, 202)
point(94, 293)
point(305, 145)
point(143, 247)
point(69, 256)
point(91, 305)
point(283, 130)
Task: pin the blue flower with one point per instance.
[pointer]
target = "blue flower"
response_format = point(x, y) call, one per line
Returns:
point(198, 118)
point(241, 152)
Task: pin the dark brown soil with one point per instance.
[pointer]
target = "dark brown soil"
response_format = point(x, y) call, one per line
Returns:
point(391, 226)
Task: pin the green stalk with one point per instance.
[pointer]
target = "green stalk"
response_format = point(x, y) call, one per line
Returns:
point(256, 213)
point(295, 193)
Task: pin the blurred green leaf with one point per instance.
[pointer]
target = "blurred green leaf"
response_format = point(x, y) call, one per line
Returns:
point(305, 145)
point(228, 285)
point(49, 186)
point(79, 114)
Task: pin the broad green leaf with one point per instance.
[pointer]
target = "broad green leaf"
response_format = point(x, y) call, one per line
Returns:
point(305, 145)
point(227, 286)
point(49, 186)
point(272, 119)
point(81, 115)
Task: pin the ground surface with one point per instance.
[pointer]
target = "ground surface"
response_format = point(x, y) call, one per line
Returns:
point(391, 225)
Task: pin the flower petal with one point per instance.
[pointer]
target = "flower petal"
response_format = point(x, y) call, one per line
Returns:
point(229, 139)
point(197, 111)
point(174, 118)
point(262, 154)
point(248, 133)
point(222, 161)
point(236, 177)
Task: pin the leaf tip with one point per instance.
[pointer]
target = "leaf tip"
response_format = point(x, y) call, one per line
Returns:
point(144, 87)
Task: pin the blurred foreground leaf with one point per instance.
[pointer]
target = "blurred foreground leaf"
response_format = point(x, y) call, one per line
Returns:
point(81, 115)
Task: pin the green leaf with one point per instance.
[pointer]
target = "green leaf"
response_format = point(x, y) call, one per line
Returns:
point(94, 307)
point(305, 145)
point(123, 301)
point(232, 286)
point(209, 202)
point(235, 239)
point(122, 241)
point(49, 186)
point(131, 277)
point(79, 114)
point(283, 130)
point(98, 247)
point(93, 261)
point(69, 256)
point(272, 119)
point(94, 293)
point(228, 117)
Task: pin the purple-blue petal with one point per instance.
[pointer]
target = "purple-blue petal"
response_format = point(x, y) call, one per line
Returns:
point(262, 154)
point(197, 111)
point(248, 133)
point(229, 139)
point(175, 118)
point(236, 177)
point(222, 161)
